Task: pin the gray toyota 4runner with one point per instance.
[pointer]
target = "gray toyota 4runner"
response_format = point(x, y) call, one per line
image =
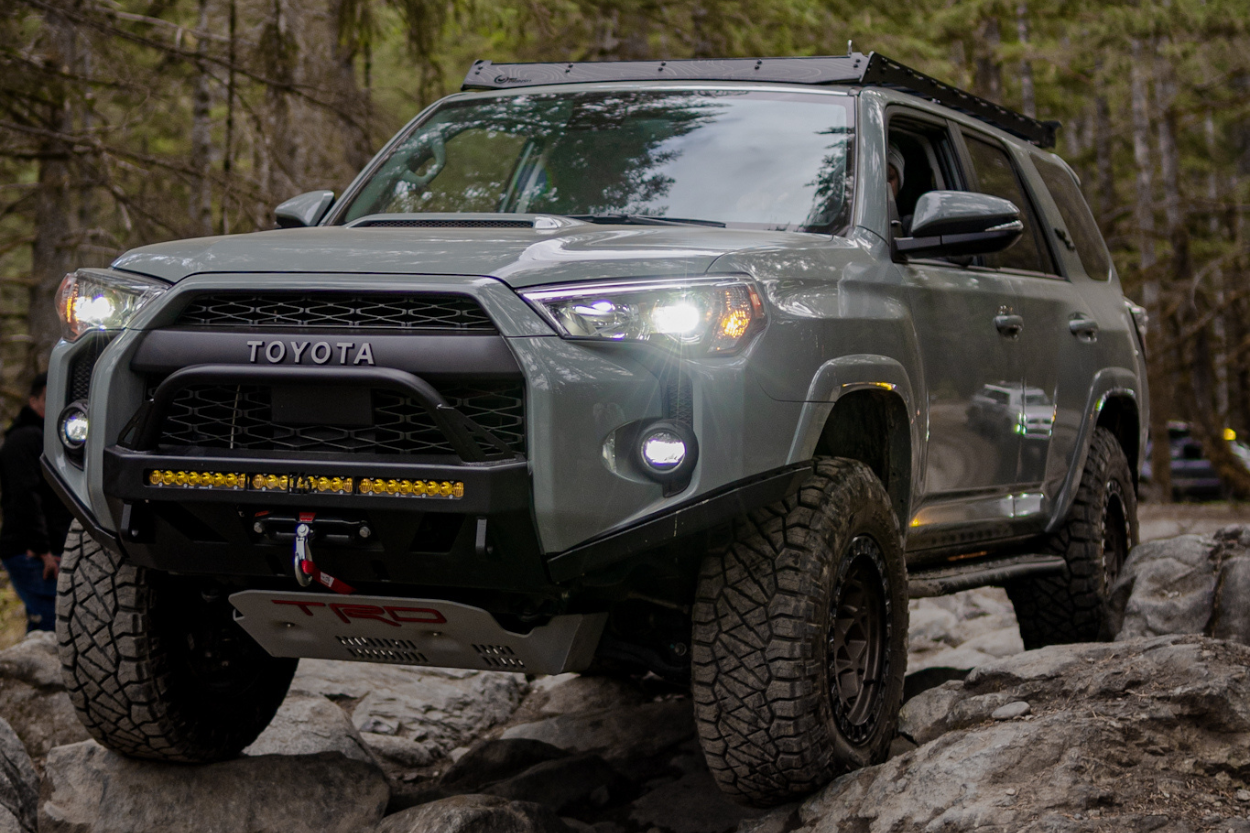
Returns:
point(701, 368)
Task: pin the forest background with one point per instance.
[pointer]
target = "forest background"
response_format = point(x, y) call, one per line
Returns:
point(126, 122)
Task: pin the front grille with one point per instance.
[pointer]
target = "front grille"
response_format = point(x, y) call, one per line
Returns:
point(241, 417)
point(82, 364)
point(440, 313)
point(80, 368)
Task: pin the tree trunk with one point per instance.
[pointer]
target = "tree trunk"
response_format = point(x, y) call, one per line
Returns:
point(53, 253)
point(1143, 214)
point(1028, 101)
point(281, 145)
point(1102, 154)
point(989, 73)
point(227, 158)
point(201, 135)
point(353, 104)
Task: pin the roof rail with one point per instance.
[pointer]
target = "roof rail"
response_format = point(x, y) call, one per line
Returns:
point(873, 69)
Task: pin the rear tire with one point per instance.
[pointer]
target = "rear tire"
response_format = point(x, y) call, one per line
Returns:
point(155, 666)
point(1095, 540)
point(800, 639)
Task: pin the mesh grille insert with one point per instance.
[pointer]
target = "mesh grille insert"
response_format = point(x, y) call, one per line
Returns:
point(444, 313)
point(241, 417)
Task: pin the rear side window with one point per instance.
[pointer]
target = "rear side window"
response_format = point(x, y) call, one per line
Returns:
point(997, 176)
point(1077, 217)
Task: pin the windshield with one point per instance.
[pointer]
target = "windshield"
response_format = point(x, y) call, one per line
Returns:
point(735, 157)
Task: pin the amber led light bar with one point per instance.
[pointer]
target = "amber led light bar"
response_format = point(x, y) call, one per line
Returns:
point(304, 484)
point(198, 480)
point(413, 488)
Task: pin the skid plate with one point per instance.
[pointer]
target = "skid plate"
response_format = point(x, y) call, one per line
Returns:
point(403, 631)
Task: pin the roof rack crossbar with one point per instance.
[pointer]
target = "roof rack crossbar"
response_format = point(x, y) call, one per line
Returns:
point(855, 68)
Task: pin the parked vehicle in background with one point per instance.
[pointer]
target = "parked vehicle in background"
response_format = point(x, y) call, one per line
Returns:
point(701, 368)
point(1194, 476)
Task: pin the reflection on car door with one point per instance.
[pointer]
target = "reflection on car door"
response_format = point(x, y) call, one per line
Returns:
point(1052, 375)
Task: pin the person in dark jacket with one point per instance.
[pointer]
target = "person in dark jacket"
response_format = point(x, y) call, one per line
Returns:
point(35, 520)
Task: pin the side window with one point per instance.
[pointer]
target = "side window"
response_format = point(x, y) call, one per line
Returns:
point(923, 151)
point(997, 176)
point(1077, 217)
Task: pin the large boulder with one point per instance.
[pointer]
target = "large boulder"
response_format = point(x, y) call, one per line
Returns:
point(32, 695)
point(88, 789)
point(1190, 584)
point(414, 716)
point(19, 785)
point(495, 760)
point(475, 814)
point(307, 724)
point(1138, 735)
point(621, 735)
point(962, 630)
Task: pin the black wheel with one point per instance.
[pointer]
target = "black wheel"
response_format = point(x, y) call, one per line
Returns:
point(1095, 541)
point(155, 666)
point(800, 639)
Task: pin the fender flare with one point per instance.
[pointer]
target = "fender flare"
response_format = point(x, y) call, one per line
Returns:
point(1108, 382)
point(846, 374)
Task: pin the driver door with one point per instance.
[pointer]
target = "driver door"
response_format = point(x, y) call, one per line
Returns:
point(972, 365)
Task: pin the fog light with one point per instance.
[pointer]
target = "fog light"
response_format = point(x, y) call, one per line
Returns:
point(667, 451)
point(663, 450)
point(73, 424)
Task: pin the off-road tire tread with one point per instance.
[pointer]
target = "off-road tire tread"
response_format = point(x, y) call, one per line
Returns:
point(116, 665)
point(1070, 608)
point(763, 721)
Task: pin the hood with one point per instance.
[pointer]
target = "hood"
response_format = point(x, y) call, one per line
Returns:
point(519, 257)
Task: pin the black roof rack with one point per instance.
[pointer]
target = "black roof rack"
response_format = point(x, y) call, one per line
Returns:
point(856, 68)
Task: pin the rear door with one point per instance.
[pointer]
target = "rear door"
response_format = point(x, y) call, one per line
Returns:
point(1098, 333)
point(1056, 363)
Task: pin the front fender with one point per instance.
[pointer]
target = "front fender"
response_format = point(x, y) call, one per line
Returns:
point(838, 377)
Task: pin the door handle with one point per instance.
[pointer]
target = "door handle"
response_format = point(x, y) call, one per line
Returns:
point(1085, 329)
point(1009, 326)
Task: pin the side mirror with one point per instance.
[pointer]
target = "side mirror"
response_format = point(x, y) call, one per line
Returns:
point(959, 224)
point(304, 210)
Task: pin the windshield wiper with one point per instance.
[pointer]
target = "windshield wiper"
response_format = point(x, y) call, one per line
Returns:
point(642, 220)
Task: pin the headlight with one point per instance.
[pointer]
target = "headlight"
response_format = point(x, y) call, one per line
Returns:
point(99, 300)
point(705, 316)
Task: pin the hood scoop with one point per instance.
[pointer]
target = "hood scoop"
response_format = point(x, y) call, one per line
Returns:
point(540, 222)
point(406, 223)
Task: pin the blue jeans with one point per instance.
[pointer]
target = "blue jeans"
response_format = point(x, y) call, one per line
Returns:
point(35, 591)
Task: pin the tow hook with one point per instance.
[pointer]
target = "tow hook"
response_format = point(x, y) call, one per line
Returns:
point(306, 572)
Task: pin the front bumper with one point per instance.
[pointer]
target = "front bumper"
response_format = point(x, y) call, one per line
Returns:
point(517, 516)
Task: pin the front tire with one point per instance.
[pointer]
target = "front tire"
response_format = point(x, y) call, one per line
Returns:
point(154, 664)
point(1095, 540)
point(800, 639)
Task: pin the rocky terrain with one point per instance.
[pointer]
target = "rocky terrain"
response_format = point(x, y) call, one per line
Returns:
point(1147, 733)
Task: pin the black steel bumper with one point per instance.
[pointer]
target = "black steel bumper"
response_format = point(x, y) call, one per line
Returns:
point(484, 542)
point(80, 511)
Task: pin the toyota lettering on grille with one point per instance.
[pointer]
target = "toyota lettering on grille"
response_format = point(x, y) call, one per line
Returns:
point(319, 352)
